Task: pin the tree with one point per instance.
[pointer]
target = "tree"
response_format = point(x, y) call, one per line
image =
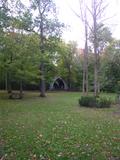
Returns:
point(69, 62)
point(92, 17)
point(85, 62)
point(18, 61)
point(47, 25)
point(4, 15)
point(4, 24)
point(83, 17)
point(103, 39)
point(65, 61)
point(23, 23)
point(111, 67)
point(97, 12)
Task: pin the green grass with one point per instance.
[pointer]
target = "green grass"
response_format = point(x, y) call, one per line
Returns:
point(56, 128)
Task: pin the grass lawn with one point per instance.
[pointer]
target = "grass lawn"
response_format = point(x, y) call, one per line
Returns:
point(56, 128)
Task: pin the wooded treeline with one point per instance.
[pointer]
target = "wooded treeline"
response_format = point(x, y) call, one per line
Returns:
point(33, 53)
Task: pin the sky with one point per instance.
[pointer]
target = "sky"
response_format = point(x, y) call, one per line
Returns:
point(75, 30)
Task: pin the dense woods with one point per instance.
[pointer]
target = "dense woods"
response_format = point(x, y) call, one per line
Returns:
point(80, 117)
point(32, 51)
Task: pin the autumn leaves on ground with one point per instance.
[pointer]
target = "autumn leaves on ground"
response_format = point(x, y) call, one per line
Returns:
point(57, 128)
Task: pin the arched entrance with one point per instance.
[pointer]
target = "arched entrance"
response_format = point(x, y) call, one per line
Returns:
point(58, 84)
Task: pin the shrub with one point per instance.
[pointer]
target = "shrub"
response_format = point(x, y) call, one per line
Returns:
point(91, 101)
point(118, 97)
point(118, 93)
point(103, 103)
point(87, 101)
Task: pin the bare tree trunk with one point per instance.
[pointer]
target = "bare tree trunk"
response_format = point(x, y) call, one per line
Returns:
point(85, 63)
point(95, 50)
point(99, 73)
point(96, 11)
point(42, 72)
point(96, 73)
point(85, 76)
point(83, 90)
point(95, 77)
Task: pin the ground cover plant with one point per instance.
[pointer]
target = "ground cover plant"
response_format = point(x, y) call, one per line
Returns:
point(92, 101)
point(56, 128)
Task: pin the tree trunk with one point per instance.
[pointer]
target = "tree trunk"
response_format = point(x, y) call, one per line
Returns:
point(10, 77)
point(95, 52)
point(85, 63)
point(6, 81)
point(69, 78)
point(98, 83)
point(42, 50)
point(42, 84)
point(9, 84)
point(85, 77)
point(96, 74)
point(95, 79)
point(21, 89)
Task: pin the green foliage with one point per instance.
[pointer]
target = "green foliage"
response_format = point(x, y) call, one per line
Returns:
point(111, 67)
point(103, 102)
point(69, 64)
point(103, 37)
point(91, 101)
point(87, 101)
point(118, 93)
point(118, 88)
point(4, 15)
point(21, 56)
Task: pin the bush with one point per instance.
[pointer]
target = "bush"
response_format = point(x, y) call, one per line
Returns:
point(118, 97)
point(87, 101)
point(103, 103)
point(91, 101)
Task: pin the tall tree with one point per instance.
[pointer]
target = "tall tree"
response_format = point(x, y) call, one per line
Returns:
point(103, 39)
point(4, 15)
point(97, 12)
point(83, 10)
point(47, 25)
point(83, 17)
point(111, 67)
point(92, 16)
point(23, 24)
point(67, 63)
point(4, 24)
point(68, 60)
